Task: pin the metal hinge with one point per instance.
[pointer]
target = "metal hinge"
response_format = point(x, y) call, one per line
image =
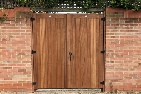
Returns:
point(103, 51)
point(33, 83)
point(32, 19)
point(103, 19)
point(33, 52)
point(103, 82)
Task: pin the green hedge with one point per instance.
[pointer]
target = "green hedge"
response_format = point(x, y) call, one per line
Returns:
point(126, 4)
point(86, 4)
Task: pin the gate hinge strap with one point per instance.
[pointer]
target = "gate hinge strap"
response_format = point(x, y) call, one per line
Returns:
point(103, 19)
point(33, 52)
point(103, 51)
point(32, 19)
point(33, 83)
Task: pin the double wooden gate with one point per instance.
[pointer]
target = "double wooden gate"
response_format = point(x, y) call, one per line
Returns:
point(68, 51)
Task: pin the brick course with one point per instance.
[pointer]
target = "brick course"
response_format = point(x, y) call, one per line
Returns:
point(123, 47)
point(123, 51)
point(15, 55)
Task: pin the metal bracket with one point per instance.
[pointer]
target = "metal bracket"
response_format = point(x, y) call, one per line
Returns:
point(103, 19)
point(32, 19)
point(33, 83)
point(103, 82)
point(103, 51)
point(33, 52)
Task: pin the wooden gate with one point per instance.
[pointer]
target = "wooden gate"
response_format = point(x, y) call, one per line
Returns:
point(68, 51)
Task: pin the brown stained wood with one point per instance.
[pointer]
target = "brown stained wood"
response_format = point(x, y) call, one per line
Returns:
point(97, 50)
point(53, 54)
point(88, 26)
point(46, 56)
point(73, 45)
point(42, 15)
point(104, 48)
point(93, 55)
point(68, 78)
point(51, 49)
point(36, 62)
point(77, 50)
point(54, 36)
point(33, 55)
point(99, 16)
point(49, 54)
point(99, 47)
point(101, 62)
point(85, 43)
point(83, 54)
point(76, 42)
point(65, 55)
point(62, 42)
point(42, 35)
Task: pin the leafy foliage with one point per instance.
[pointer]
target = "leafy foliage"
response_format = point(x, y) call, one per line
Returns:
point(86, 4)
point(126, 4)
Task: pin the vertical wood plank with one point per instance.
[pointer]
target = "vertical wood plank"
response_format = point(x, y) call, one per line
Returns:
point(57, 35)
point(89, 37)
point(47, 53)
point(84, 40)
point(42, 50)
point(34, 39)
point(50, 45)
point(37, 52)
point(68, 67)
point(101, 56)
point(77, 50)
point(93, 54)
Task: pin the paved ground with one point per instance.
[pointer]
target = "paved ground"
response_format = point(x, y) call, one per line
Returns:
point(68, 91)
point(59, 91)
point(71, 91)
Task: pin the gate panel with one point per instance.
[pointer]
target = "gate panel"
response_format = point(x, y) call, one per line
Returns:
point(50, 45)
point(84, 41)
point(68, 51)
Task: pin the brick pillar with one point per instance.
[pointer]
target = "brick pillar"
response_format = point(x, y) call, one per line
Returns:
point(15, 54)
point(123, 45)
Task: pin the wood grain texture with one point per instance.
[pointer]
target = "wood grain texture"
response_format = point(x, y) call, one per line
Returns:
point(54, 36)
point(50, 46)
point(34, 39)
point(84, 40)
point(101, 65)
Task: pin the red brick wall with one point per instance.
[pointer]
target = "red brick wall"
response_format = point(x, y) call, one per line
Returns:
point(123, 50)
point(15, 54)
point(12, 12)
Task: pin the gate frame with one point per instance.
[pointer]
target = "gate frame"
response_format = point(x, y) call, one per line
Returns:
point(66, 10)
